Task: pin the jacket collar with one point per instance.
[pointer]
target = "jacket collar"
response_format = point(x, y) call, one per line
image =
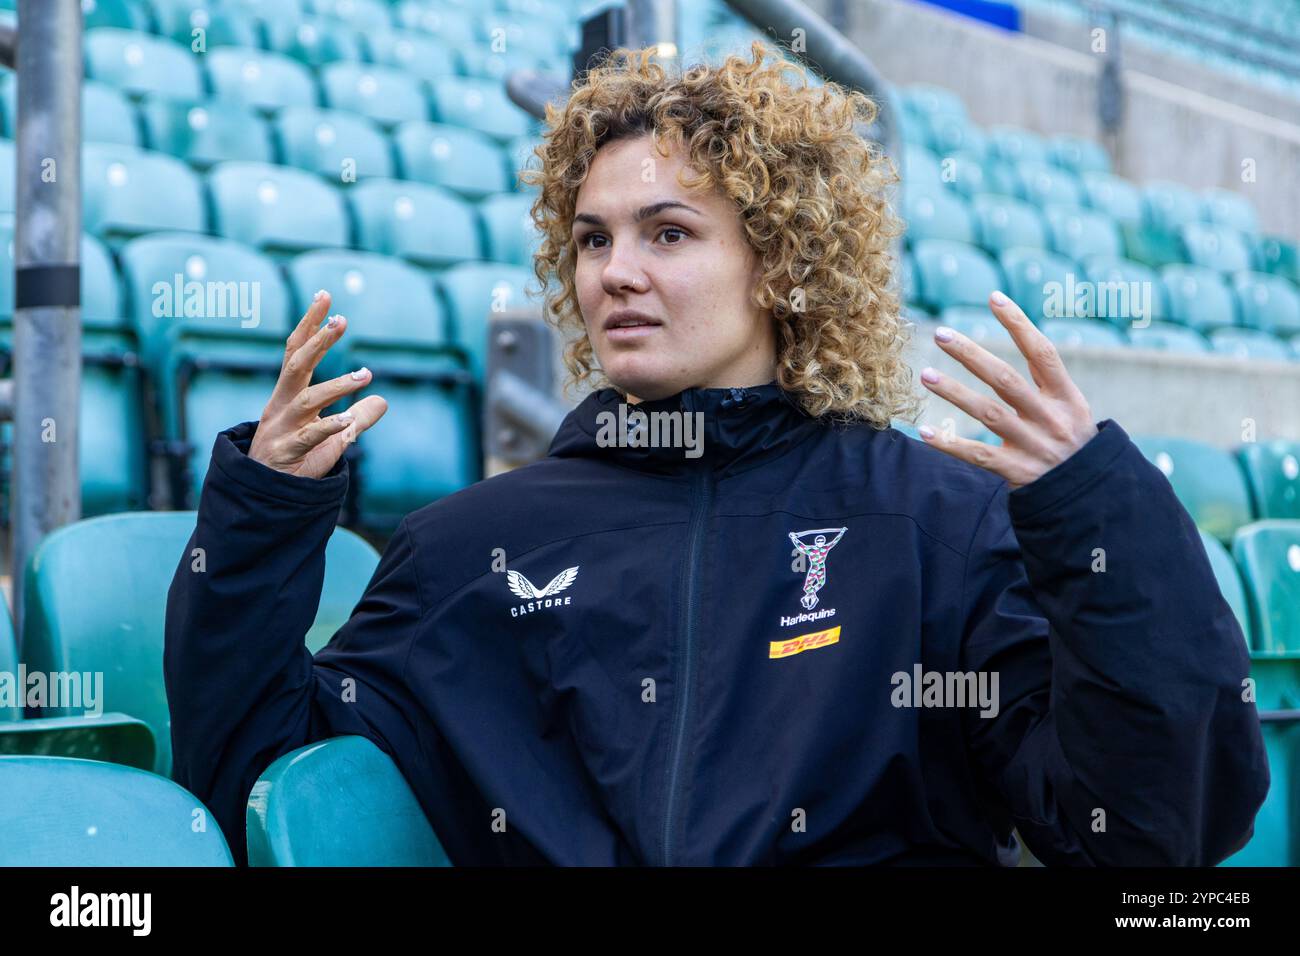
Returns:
point(723, 429)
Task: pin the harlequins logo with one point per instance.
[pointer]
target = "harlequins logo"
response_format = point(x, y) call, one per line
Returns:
point(535, 599)
point(814, 546)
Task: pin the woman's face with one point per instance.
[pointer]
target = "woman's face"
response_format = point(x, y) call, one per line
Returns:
point(679, 258)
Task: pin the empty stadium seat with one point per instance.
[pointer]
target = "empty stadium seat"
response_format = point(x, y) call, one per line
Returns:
point(1278, 256)
point(1014, 145)
point(1040, 283)
point(1133, 287)
point(923, 99)
point(938, 214)
point(315, 41)
point(1206, 479)
point(1215, 247)
point(1083, 332)
point(95, 594)
point(1197, 297)
point(1267, 302)
point(1044, 184)
point(953, 273)
point(1230, 210)
point(477, 104)
point(220, 25)
point(462, 160)
point(1168, 337)
point(509, 229)
point(386, 95)
point(1273, 477)
point(1268, 554)
point(141, 63)
point(949, 134)
point(1080, 234)
point(978, 325)
point(1152, 246)
point(206, 132)
point(1169, 206)
point(339, 802)
point(1078, 155)
point(453, 27)
point(275, 208)
point(106, 113)
point(130, 191)
point(358, 14)
point(1117, 198)
point(474, 290)
point(340, 146)
point(1229, 581)
point(1003, 223)
point(393, 217)
point(412, 52)
point(260, 78)
point(60, 811)
point(1249, 344)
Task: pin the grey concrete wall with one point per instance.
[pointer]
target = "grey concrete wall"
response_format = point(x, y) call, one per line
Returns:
point(1169, 131)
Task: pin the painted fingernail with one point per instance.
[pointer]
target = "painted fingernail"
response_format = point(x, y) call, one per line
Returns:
point(926, 431)
point(929, 375)
point(943, 333)
point(1000, 299)
point(319, 293)
point(360, 373)
point(333, 321)
point(344, 417)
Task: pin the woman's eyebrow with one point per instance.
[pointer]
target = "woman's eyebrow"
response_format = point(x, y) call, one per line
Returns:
point(645, 212)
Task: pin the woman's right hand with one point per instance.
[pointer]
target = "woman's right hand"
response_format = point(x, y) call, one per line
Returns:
point(291, 436)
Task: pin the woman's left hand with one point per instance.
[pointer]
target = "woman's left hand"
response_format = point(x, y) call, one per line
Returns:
point(1044, 425)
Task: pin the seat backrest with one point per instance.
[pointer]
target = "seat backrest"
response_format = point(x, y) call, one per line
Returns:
point(1268, 553)
point(63, 811)
point(96, 594)
point(1206, 479)
point(339, 802)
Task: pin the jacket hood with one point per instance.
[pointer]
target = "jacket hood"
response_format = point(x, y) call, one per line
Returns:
point(725, 429)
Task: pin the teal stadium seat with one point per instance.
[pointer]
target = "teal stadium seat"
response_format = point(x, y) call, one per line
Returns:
point(315, 41)
point(478, 104)
point(276, 208)
point(1083, 332)
point(1043, 184)
point(1230, 210)
point(1229, 580)
point(342, 147)
point(453, 27)
point(1116, 197)
point(358, 14)
point(386, 95)
point(60, 811)
point(1014, 145)
point(1278, 256)
point(259, 78)
point(1273, 477)
point(967, 174)
point(141, 63)
point(977, 324)
point(937, 214)
point(1206, 480)
point(953, 273)
point(1215, 247)
point(508, 228)
point(338, 802)
point(123, 14)
point(1198, 298)
point(220, 25)
point(948, 134)
point(462, 160)
point(1078, 155)
point(106, 114)
point(1249, 344)
point(1168, 337)
point(474, 290)
point(1003, 223)
point(1133, 287)
point(414, 53)
point(129, 191)
point(1169, 206)
point(96, 591)
point(1268, 553)
point(1039, 282)
point(206, 132)
point(1080, 234)
point(392, 217)
point(1267, 302)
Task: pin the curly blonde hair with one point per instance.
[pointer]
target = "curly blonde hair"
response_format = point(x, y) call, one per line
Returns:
point(812, 197)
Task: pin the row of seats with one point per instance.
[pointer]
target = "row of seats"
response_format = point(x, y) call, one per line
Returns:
point(1107, 302)
point(184, 336)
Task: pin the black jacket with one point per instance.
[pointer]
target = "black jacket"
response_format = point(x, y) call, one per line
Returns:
point(633, 656)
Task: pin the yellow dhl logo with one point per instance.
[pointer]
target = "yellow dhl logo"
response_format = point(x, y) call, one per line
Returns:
point(804, 642)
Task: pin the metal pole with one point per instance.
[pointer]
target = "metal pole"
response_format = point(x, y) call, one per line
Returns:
point(47, 280)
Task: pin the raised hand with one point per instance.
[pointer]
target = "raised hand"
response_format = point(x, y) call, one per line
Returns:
point(1044, 425)
point(291, 436)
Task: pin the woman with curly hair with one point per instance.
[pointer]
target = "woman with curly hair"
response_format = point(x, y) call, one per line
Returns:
point(733, 617)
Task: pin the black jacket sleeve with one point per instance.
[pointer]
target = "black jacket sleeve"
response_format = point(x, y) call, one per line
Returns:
point(1121, 736)
point(241, 685)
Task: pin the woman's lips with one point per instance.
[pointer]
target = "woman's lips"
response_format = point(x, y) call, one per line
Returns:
point(620, 333)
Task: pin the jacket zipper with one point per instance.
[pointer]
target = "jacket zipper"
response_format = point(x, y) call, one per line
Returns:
point(702, 494)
